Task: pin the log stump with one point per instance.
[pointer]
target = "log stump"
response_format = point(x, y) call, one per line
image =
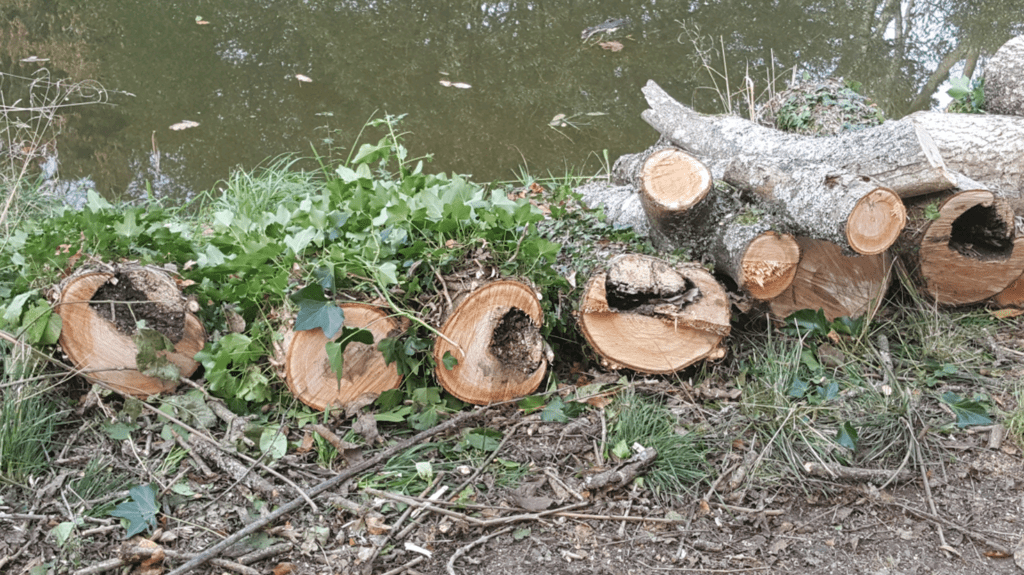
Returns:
point(838, 284)
point(648, 316)
point(100, 309)
point(969, 253)
point(494, 335)
point(1004, 90)
point(309, 374)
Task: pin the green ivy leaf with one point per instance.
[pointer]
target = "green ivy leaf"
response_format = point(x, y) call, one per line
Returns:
point(554, 411)
point(483, 439)
point(798, 388)
point(119, 431)
point(531, 403)
point(521, 533)
point(316, 311)
point(449, 361)
point(149, 343)
point(336, 348)
point(847, 436)
point(968, 412)
point(273, 443)
point(140, 511)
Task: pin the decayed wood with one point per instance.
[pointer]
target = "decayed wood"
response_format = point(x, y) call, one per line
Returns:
point(1012, 296)
point(1004, 88)
point(969, 253)
point(645, 315)
point(838, 284)
point(308, 371)
point(97, 346)
point(494, 334)
point(897, 154)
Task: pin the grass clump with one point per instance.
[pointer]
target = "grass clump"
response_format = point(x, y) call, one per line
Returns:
point(645, 421)
point(28, 423)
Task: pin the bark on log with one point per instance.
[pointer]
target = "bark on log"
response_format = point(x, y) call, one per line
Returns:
point(494, 334)
point(98, 336)
point(969, 253)
point(1004, 88)
point(645, 315)
point(839, 285)
point(898, 154)
point(308, 372)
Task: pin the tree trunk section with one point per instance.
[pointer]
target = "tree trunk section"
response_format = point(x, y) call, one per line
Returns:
point(1004, 88)
point(897, 154)
point(308, 372)
point(645, 315)
point(98, 335)
point(839, 285)
point(494, 334)
point(969, 253)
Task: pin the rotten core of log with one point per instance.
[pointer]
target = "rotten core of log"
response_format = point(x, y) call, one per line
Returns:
point(308, 372)
point(838, 284)
point(646, 315)
point(969, 253)
point(100, 310)
point(494, 335)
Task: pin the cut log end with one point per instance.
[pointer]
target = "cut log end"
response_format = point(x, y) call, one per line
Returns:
point(645, 315)
point(875, 222)
point(99, 311)
point(769, 265)
point(970, 253)
point(494, 335)
point(675, 180)
point(839, 285)
point(308, 372)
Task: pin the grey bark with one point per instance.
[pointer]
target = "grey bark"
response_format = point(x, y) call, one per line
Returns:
point(1004, 88)
point(897, 154)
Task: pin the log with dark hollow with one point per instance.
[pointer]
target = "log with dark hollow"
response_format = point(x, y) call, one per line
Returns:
point(99, 311)
point(838, 284)
point(969, 253)
point(494, 336)
point(646, 315)
point(311, 378)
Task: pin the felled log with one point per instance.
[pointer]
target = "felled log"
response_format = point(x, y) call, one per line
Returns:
point(648, 316)
point(100, 310)
point(968, 253)
point(1004, 88)
point(839, 285)
point(896, 154)
point(493, 337)
point(308, 372)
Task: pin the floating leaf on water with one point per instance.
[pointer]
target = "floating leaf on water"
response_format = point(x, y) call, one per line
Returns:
point(445, 83)
point(596, 114)
point(303, 78)
point(556, 120)
point(200, 21)
point(32, 59)
point(613, 46)
point(184, 125)
point(461, 85)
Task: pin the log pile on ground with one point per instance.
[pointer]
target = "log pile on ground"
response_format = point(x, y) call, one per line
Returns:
point(792, 211)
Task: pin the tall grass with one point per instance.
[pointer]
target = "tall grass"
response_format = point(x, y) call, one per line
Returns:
point(251, 193)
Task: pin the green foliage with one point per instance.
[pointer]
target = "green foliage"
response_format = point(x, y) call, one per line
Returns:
point(140, 511)
point(968, 412)
point(28, 422)
point(813, 323)
point(968, 95)
point(825, 108)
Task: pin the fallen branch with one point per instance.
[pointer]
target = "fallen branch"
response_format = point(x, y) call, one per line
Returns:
point(833, 471)
point(296, 503)
point(465, 549)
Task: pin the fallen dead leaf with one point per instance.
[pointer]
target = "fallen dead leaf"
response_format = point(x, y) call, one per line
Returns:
point(375, 524)
point(445, 83)
point(1006, 313)
point(556, 120)
point(612, 45)
point(307, 442)
point(184, 125)
point(303, 78)
point(284, 568)
point(461, 86)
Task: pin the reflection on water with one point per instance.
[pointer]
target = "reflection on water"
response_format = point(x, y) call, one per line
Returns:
point(237, 75)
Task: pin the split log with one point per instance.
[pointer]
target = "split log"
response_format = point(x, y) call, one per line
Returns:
point(494, 335)
point(1004, 89)
point(648, 316)
point(308, 372)
point(969, 253)
point(897, 154)
point(100, 310)
point(839, 285)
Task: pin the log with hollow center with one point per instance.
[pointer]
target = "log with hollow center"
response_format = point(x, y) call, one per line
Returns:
point(493, 336)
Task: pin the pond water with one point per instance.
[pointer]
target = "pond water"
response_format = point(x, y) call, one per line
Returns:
point(238, 69)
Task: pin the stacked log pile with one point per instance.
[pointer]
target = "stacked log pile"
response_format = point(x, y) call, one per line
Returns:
point(808, 222)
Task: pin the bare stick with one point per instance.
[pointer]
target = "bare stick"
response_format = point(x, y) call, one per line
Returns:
point(408, 565)
point(296, 503)
point(465, 549)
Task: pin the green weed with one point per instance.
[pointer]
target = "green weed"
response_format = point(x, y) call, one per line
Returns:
point(28, 423)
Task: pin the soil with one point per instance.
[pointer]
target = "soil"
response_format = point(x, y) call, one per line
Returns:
point(120, 301)
point(517, 343)
point(762, 523)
